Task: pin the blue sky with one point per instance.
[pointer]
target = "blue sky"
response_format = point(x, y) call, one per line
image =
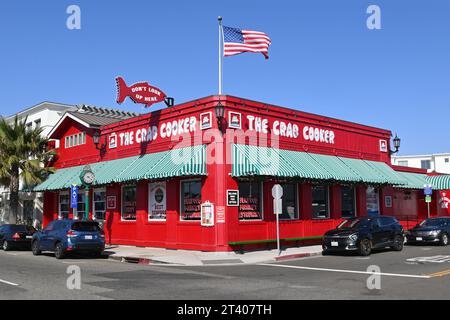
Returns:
point(323, 59)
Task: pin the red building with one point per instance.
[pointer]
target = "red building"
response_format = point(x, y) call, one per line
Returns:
point(184, 178)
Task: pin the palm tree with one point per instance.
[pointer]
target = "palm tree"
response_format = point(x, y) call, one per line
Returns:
point(23, 157)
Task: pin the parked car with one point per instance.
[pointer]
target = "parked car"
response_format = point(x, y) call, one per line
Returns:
point(432, 230)
point(13, 236)
point(66, 236)
point(364, 234)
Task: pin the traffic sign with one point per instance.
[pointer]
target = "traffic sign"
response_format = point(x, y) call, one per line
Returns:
point(277, 191)
point(277, 206)
point(428, 189)
point(428, 199)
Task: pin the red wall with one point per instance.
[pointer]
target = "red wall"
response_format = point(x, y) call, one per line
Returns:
point(351, 140)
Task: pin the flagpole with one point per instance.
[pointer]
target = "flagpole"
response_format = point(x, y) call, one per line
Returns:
point(220, 54)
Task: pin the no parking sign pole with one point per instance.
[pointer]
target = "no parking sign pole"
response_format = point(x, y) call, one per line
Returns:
point(428, 191)
point(277, 194)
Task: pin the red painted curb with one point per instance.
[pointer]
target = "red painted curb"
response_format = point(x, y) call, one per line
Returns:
point(297, 255)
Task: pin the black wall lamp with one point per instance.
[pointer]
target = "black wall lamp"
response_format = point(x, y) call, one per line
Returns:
point(397, 142)
point(220, 111)
point(96, 138)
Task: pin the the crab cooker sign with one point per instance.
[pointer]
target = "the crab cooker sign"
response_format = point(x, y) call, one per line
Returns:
point(191, 124)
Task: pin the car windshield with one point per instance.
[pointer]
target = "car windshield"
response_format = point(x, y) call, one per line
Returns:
point(85, 226)
point(22, 228)
point(432, 223)
point(352, 223)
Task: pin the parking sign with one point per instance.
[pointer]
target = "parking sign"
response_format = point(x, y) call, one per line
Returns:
point(74, 196)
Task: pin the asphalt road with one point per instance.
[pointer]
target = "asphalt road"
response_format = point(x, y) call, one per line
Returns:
point(416, 273)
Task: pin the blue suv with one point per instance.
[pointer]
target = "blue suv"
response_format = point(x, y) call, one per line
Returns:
point(65, 236)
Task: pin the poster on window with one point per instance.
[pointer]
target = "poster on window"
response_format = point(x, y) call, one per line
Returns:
point(373, 207)
point(192, 208)
point(249, 208)
point(158, 202)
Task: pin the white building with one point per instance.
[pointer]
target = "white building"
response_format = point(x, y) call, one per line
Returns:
point(439, 162)
point(44, 115)
point(47, 115)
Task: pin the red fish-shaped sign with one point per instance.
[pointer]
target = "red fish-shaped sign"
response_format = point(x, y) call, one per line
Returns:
point(140, 92)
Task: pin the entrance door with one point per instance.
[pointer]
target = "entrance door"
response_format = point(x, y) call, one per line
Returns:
point(373, 202)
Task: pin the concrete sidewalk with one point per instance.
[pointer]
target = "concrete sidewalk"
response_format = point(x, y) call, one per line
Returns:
point(198, 258)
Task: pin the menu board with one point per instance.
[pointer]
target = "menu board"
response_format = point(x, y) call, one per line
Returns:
point(249, 208)
point(129, 210)
point(192, 209)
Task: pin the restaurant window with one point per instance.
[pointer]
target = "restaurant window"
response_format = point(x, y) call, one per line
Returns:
point(348, 202)
point(75, 140)
point(191, 199)
point(320, 202)
point(64, 199)
point(79, 213)
point(250, 201)
point(289, 202)
point(129, 203)
point(99, 204)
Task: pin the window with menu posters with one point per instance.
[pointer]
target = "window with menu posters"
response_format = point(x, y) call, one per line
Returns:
point(250, 201)
point(320, 202)
point(191, 200)
point(99, 204)
point(129, 203)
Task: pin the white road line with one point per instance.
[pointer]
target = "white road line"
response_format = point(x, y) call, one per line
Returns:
point(10, 283)
point(347, 271)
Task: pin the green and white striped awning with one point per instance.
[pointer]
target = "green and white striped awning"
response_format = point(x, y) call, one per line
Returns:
point(413, 180)
point(180, 162)
point(439, 182)
point(263, 161)
point(418, 181)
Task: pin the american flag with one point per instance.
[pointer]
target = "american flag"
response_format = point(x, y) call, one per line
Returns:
point(236, 41)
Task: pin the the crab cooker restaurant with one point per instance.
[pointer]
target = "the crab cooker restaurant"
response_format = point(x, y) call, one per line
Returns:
point(199, 175)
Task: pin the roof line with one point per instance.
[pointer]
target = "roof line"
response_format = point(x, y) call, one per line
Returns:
point(40, 105)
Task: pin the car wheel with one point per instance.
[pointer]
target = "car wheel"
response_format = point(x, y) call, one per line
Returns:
point(6, 246)
point(365, 247)
point(444, 239)
point(59, 251)
point(97, 254)
point(398, 243)
point(35, 248)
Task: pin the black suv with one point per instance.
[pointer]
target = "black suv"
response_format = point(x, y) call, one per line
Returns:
point(364, 234)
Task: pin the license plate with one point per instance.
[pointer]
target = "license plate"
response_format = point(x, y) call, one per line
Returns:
point(29, 237)
point(335, 244)
point(88, 237)
point(419, 239)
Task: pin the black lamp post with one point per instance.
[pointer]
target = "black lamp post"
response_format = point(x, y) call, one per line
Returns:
point(397, 142)
point(220, 111)
point(96, 138)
